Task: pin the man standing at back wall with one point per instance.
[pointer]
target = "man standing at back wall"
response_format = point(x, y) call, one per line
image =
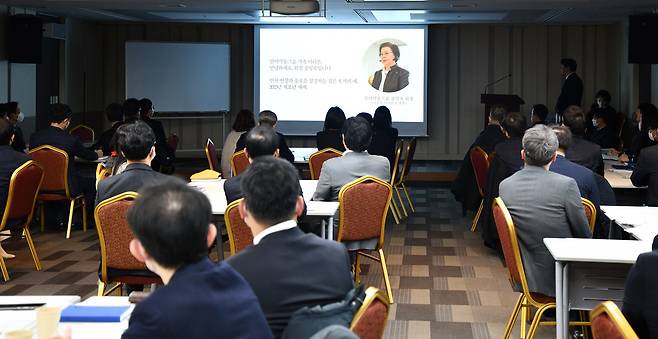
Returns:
point(572, 88)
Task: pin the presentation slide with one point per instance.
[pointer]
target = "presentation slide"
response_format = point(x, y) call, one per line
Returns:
point(303, 71)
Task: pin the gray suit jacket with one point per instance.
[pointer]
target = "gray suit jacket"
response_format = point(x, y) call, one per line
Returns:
point(543, 204)
point(339, 171)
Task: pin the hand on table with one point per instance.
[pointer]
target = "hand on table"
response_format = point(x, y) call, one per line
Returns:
point(99, 152)
point(623, 158)
point(66, 335)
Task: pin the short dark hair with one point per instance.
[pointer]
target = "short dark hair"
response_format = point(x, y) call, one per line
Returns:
point(6, 132)
point(267, 117)
point(514, 124)
point(60, 112)
point(244, 121)
point(12, 107)
point(334, 119)
point(603, 94)
point(270, 187)
point(135, 140)
point(145, 105)
point(114, 112)
point(131, 109)
point(569, 63)
point(3, 110)
point(171, 221)
point(261, 140)
point(367, 116)
point(541, 111)
point(393, 47)
point(382, 118)
point(563, 136)
point(649, 115)
point(498, 112)
point(574, 118)
point(357, 133)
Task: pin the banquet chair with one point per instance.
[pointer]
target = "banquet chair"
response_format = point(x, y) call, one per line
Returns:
point(318, 158)
point(55, 185)
point(211, 155)
point(363, 205)
point(239, 234)
point(21, 198)
point(480, 162)
point(590, 213)
point(370, 319)
point(117, 263)
point(84, 133)
point(609, 323)
point(395, 172)
point(102, 173)
point(239, 162)
point(404, 173)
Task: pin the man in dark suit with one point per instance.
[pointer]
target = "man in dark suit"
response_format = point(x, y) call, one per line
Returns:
point(269, 118)
point(15, 116)
point(572, 87)
point(135, 141)
point(394, 77)
point(286, 268)
point(163, 153)
point(646, 170)
point(640, 296)
point(581, 151)
point(199, 299)
point(602, 133)
point(542, 205)
point(114, 114)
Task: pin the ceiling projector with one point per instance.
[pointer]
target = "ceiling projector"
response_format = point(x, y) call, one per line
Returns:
point(294, 7)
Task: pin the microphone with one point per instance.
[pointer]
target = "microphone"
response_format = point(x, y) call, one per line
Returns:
point(496, 81)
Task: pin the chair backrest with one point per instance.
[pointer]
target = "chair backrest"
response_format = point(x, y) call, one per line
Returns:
point(114, 234)
point(318, 158)
point(621, 121)
point(395, 170)
point(370, 319)
point(83, 132)
point(590, 213)
point(609, 323)
point(55, 163)
point(480, 163)
point(172, 141)
point(363, 206)
point(23, 189)
point(239, 162)
point(239, 234)
point(211, 155)
point(408, 158)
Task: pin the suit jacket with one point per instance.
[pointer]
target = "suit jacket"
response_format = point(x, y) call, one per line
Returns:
point(554, 211)
point(233, 192)
point(641, 296)
point(337, 172)
point(605, 137)
point(284, 151)
point(330, 139)
point(163, 153)
point(132, 179)
point(586, 153)
point(383, 143)
point(396, 79)
point(11, 160)
point(71, 145)
point(202, 300)
point(290, 269)
point(571, 93)
point(584, 178)
point(640, 141)
point(105, 140)
point(646, 173)
point(19, 140)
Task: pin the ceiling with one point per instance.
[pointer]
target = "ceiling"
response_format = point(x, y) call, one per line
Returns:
point(347, 12)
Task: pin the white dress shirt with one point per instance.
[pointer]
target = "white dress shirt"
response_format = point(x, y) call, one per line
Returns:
point(381, 83)
point(286, 225)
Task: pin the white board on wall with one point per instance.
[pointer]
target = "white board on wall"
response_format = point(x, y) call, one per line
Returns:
point(179, 76)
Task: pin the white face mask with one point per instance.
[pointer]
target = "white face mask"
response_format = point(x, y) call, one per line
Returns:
point(21, 117)
point(594, 122)
point(639, 125)
point(651, 136)
point(599, 103)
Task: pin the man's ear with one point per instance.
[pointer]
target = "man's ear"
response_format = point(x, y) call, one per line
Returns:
point(242, 208)
point(137, 250)
point(299, 207)
point(523, 155)
point(212, 234)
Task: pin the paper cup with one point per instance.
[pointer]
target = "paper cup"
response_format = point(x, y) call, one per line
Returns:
point(19, 334)
point(47, 321)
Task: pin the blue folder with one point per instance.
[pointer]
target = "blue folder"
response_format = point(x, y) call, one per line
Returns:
point(94, 314)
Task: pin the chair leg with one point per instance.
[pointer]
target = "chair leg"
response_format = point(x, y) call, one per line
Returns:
point(525, 314)
point(101, 288)
point(537, 318)
point(357, 268)
point(42, 216)
point(476, 219)
point(513, 316)
point(33, 249)
point(3, 267)
point(84, 215)
point(395, 211)
point(382, 261)
point(411, 204)
point(68, 229)
point(404, 209)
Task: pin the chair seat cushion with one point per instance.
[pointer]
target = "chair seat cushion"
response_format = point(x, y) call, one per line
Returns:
point(132, 276)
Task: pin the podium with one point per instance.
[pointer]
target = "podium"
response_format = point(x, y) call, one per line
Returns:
point(512, 101)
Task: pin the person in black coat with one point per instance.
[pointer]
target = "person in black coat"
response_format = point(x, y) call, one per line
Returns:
point(572, 87)
point(285, 267)
point(601, 108)
point(644, 114)
point(269, 118)
point(163, 153)
point(114, 114)
point(581, 151)
point(384, 136)
point(538, 114)
point(464, 188)
point(15, 116)
point(331, 135)
point(646, 170)
point(640, 296)
point(603, 134)
point(199, 299)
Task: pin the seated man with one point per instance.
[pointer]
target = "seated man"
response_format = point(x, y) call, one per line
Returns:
point(538, 114)
point(286, 268)
point(200, 299)
point(640, 298)
point(602, 134)
point(164, 155)
point(542, 205)
point(114, 114)
point(353, 164)
point(136, 142)
point(269, 118)
point(646, 170)
point(581, 151)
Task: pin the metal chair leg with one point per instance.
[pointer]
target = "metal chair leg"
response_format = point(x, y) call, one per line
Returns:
point(476, 219)
point(411, 204)
point(101, 288)
point(357, 269)
point(525, 314)
point(68, 229)
point(84, 214)
point(42, 216)
point(3, 267)
point(537, 318)
point(512, 318)
point(395, 212)
point(404, 209)
point(33, 249)
point(382, 261)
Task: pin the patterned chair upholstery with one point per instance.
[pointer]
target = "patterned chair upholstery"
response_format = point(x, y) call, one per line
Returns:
point(22, 195)
point(370, 320)
point(239, 234)
point(318, 158)
point(55, 185)
point(84, 133)
point(239, 162)
point(117, 263)
point(480, 162)
point(590, 213)
point(609, 323)
point(363, 205)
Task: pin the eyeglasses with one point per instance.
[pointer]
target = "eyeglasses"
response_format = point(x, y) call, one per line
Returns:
point(385, 53)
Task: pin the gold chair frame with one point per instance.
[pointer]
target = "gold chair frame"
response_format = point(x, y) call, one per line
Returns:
point(372, 294)
point(402, 178)
point(240, 153)
point(610, 309)
point(229, 230)
point(477, 216)
point(397, 215)
point(588, 205)
point(318, 153)
point(208, 155)
point(84, 127)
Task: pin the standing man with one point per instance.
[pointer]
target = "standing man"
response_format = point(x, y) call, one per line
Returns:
point(572, 88)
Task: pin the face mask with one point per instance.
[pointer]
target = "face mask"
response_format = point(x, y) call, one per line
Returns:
point(639, 125)
point(599, 103)
point(594, 122)
point(21, 117)
point(651, 136)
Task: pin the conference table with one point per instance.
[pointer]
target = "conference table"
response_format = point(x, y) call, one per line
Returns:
point(302, 154)
point(638, 221)
point(618, 178)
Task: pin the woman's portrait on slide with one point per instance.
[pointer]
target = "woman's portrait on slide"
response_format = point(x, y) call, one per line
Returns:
point(391, 77)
